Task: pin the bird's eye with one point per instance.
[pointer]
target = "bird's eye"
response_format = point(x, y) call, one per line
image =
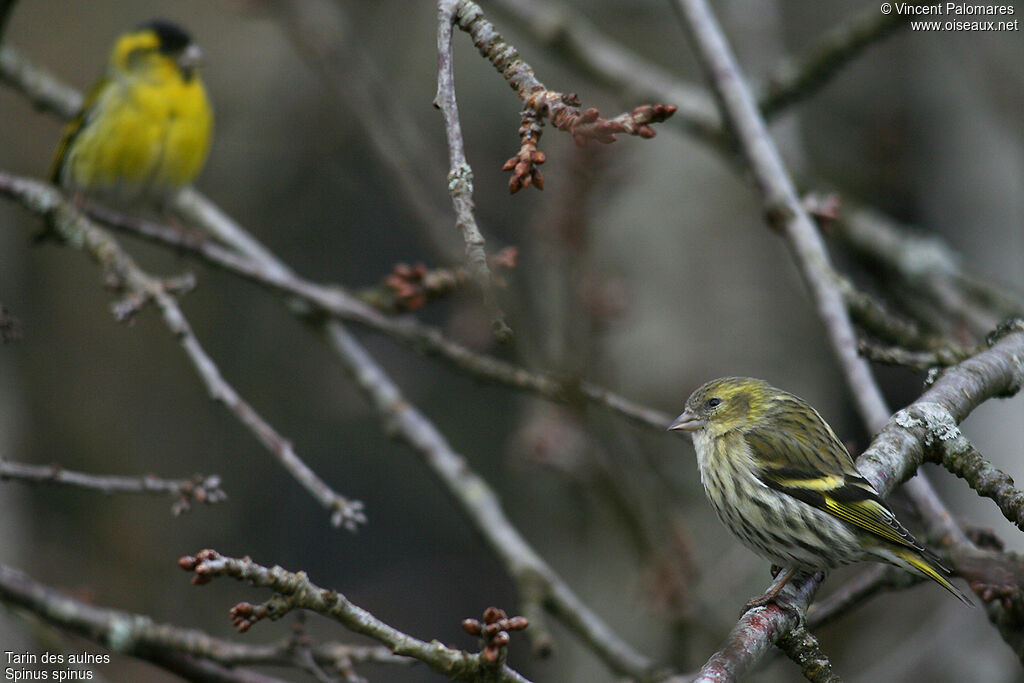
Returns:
point(713, 402)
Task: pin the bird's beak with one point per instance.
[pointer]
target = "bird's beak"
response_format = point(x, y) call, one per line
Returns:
point(191, 58)
point(687, 422)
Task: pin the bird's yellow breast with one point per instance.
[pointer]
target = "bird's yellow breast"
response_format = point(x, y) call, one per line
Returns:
point(138, 137)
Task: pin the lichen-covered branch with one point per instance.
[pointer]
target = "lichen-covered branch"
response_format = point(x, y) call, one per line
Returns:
point(959, 456)
point(916, 360)
point(928, 266)
point(198, 489)
point(803, 648)
point(944, 440)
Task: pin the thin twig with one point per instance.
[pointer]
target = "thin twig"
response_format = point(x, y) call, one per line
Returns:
point(199, 489)
point(798, 79)
point(460, 175)
point(916, 360)
point(295, 591)
point(344, 512)
point(858, 590)
point(76, 230)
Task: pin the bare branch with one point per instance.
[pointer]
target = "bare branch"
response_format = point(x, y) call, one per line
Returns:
point(42, 88)
point(460, 175)
point(567, 33)
point(199, 489)
point(798, 79)
point(561, 110)
point(295, 591)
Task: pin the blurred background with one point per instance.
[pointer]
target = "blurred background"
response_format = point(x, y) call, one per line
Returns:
point(644, 267)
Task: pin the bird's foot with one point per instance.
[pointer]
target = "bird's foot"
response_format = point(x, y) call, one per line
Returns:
point(769, 599)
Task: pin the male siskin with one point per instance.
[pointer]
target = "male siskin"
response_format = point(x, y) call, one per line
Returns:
point(780, 479)
point(145, 127)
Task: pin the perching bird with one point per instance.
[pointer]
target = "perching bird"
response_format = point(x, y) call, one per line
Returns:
point(145, 127)
point(780, 479)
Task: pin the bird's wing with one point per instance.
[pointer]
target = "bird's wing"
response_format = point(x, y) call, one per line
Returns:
point(788, 464)
point(76, 125)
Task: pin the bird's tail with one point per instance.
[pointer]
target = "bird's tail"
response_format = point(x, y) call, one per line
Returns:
point(925, 565)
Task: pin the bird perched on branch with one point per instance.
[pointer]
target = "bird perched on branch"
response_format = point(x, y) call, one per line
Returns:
point(780, 479)
point(145, 127)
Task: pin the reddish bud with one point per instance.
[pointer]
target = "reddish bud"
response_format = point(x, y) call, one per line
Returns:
point(492, 614)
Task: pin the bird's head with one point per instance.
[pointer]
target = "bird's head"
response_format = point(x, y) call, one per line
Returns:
point(156, 49)
point(723, 405)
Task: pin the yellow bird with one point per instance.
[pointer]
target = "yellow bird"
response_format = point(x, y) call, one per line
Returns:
point(145, 127)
